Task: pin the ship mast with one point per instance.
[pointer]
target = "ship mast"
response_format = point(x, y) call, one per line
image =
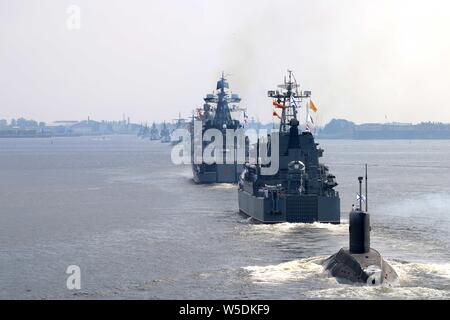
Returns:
point(222, 99)
point(288, 100)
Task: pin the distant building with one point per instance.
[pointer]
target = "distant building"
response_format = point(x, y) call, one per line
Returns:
point(89, 127)
point(343, 129)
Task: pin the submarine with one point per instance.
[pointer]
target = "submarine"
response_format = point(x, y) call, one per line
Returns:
point(359, 263)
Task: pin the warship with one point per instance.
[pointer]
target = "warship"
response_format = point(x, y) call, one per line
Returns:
point(165, 133)
point(217, 114)
point(359, 263)
point(143, 131)
point(154, 133)
point(179, 124)
point(302, 190)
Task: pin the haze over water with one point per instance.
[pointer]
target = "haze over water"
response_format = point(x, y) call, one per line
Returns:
point(139, 228)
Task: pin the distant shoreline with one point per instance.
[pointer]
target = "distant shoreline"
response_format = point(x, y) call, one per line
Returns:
point(65, 136)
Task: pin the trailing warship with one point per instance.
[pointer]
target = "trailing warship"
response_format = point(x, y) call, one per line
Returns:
point(179, 124)
point(143, 131)
point(302, 190)
point(216, 114)
point(165, 133)
point(154, 133)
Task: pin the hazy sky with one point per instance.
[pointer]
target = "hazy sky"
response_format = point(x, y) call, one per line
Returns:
point(151, 59)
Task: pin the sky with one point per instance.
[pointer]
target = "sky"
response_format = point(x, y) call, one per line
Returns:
point(363, 60)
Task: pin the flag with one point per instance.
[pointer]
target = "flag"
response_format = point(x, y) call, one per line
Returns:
point(278, 105)
point(363, 198)
point(312, 106)
point(294, 102)
point(311, 119)
point(275, 114)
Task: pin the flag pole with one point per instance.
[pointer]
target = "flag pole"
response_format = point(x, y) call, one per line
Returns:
point(367, 200)
point(307, 114)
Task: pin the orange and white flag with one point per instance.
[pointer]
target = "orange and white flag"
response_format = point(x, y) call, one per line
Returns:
point(312, 106)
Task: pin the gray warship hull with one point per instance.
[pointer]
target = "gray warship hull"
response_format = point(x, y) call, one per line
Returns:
point(291, 208)
point(216, 173)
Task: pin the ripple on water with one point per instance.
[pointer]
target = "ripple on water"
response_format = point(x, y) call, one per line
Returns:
point(417, 280)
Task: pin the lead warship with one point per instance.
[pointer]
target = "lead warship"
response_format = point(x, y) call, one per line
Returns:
point(302, 190)
point(216, 114)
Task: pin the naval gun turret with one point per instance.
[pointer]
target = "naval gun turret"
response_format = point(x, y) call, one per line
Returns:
point(359, 263)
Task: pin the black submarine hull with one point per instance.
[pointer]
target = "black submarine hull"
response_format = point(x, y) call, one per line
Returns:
point(368, 268)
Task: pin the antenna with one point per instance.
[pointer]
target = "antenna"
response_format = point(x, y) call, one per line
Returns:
point(367, 201)
point(360, 179)
point(257, 156)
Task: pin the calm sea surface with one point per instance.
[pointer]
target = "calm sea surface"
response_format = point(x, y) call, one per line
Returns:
point(139, 228)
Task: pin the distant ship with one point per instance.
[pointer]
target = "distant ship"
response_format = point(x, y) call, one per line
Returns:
point(143, 131)
point(179, 124)
point(217, 114)
point(302, 190)
point(165, 133)
point(154, 133)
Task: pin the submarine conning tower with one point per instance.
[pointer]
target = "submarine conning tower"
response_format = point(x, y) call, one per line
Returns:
point(360, 263)
point(359, 228)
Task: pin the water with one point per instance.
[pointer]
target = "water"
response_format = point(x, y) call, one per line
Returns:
point(140, 229)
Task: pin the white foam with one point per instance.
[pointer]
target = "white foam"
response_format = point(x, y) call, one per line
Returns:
point(280, 228)
point(287, 271)
point(224, 186)
point(413, 271)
